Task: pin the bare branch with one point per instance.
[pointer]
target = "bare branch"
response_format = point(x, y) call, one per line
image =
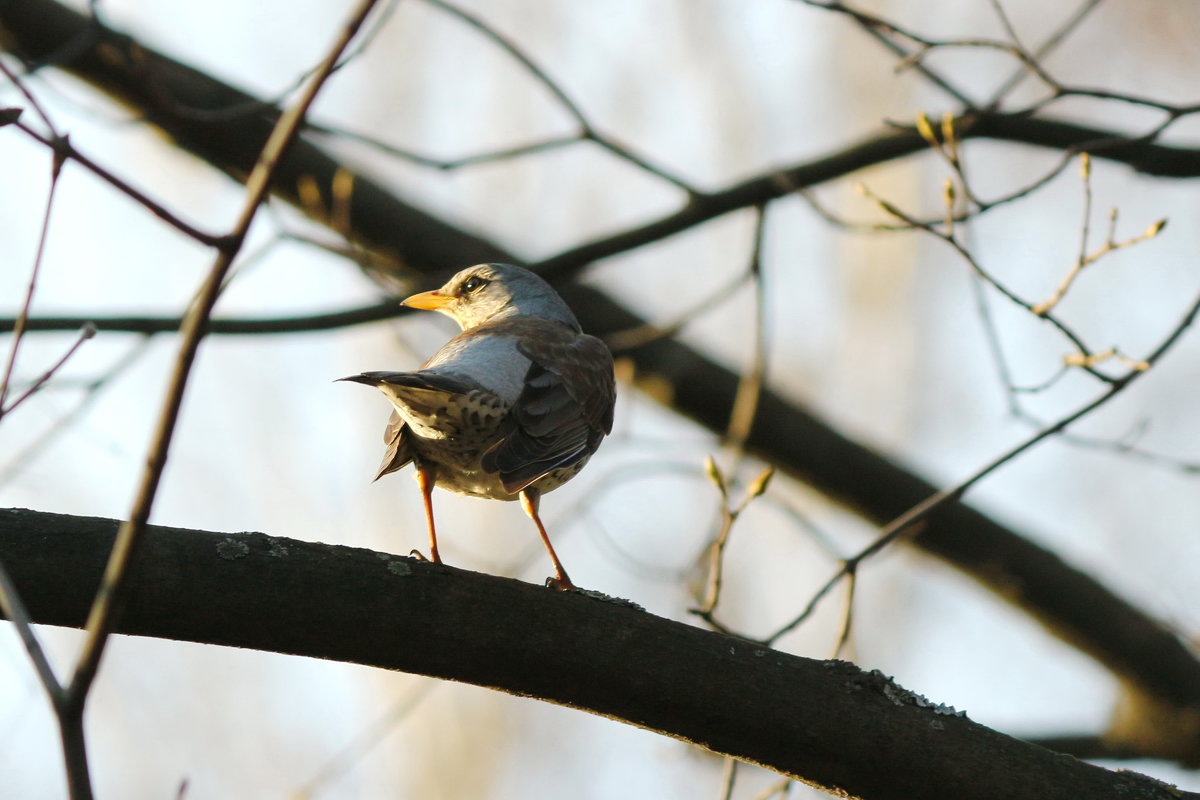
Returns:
point(90, 389)
point(107, 603)
point(745, 402)
point(29, 98)
point(449, 165)
point(886, 34)
point(1052, 41)
point(365, 741)
point(587, 130)
point(816, 721)
point(951, 238)
point(14, 611)
point(729, 778)
point(918, 514)
point(64, 151)
point(87, 333)
point(23, 317)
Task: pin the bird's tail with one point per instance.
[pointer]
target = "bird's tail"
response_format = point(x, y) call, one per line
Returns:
point(368, 378)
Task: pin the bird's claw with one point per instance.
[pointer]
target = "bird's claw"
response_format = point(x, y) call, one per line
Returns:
point(562, 584)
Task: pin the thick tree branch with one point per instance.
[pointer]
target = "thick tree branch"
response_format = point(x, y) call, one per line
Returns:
point(827, 723)
point(196, 111)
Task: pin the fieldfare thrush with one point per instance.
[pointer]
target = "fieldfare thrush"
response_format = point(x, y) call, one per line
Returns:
point(512, 407)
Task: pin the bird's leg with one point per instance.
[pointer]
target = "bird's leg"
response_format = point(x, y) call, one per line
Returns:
point(529, 502)
point(426, 477)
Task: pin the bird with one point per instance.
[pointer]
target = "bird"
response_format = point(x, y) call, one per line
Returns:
point(510, 408)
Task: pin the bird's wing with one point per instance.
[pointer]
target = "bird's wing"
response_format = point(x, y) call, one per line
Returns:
point(398, 453)
point(564, 410)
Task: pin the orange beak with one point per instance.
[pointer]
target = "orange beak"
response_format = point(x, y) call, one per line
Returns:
point(430, 301)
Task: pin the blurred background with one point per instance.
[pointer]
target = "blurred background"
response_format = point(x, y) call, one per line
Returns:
point(882, 334)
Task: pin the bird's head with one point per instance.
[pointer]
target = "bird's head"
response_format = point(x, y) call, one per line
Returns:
point(492, 292)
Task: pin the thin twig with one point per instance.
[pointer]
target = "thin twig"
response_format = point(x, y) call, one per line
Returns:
point(1085, 230)
point(729, 777)
point(87, 333)
point(63, 149)
point(451, 164)
point(631, 338)
point(976, 208)
point(39, 255)
point(1123, 446)
point(1044, 50)
point(741, 421)
point(192, 331)
point(15, 612)
point(878, 28)
point(916, 515)
point(595, 496)
point(781, 789)
point(716, 548)
point(949, 237)
point(91, 389)
point(30, 98)
point(365, 741)
point(587, 130)
point(809, 608)
point(106, 604)
point(995, 345)
point(10, 599)
point(749, 390)
point(1007, 24)
point(847, 614)
point(1110, 245)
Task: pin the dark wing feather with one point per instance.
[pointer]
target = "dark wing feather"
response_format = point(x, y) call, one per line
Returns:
point(398, 453)
point(563, 412)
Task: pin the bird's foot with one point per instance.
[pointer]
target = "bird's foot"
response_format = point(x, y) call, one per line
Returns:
point(562, 583)
point(419, 556)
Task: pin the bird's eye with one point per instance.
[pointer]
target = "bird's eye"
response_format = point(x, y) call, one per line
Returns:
point(473, 284)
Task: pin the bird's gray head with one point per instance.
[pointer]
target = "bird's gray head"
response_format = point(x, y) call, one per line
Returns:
point(491, 292)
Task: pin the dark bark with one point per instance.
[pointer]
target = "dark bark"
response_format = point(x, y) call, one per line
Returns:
point(829, 724)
